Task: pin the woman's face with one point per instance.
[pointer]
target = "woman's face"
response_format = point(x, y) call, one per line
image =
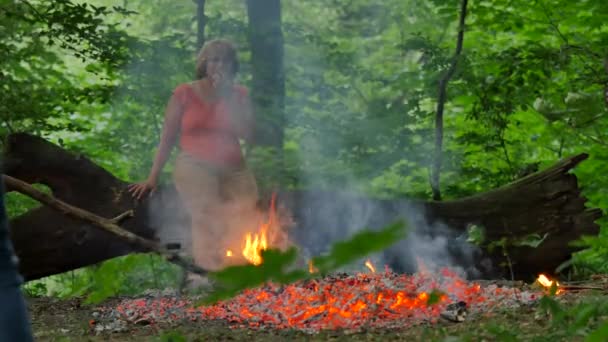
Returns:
point(219, 67)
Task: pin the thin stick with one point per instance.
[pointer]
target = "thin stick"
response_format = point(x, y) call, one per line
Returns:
point(119, 218)
point(109, 225)
point(581, 287)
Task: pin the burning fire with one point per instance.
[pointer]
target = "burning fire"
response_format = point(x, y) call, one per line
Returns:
point(381, 299)
point(369, 265)
point(255, 243)
point(254, 246)
point(547, 283)
point(311, 267)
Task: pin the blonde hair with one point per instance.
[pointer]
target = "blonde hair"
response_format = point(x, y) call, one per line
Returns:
point(224, 47)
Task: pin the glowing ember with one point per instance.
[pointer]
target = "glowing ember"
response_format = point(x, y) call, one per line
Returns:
point(369, 265)
point(381, 300)
point(548, 283)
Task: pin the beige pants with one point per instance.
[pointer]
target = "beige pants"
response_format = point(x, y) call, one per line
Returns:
point(221, 203)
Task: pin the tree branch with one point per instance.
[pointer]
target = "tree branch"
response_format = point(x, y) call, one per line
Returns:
point(443, 83)
point(108, 225)
point(119, 218)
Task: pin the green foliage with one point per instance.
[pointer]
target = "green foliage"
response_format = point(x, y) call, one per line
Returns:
point(599, 335)
point(128, 275)
point(531, 240)
point(582, 319)
point(38, 40)
point(476, 235)
point(172, 337)
point(434, 297)
point(35, 289)
point(361, 83)
point(502, 333)
point(17, 204)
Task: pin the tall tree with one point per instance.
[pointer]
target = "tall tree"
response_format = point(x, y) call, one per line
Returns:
point(443, 84)
point(200, 22)
point(268, 76)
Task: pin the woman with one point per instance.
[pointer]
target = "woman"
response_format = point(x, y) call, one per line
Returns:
point(206, 118)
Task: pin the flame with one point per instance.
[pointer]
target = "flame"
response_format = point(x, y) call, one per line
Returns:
point(369, 265)
point(548, 283)
point(254, 246)
point(255, 243)
point(311, 267)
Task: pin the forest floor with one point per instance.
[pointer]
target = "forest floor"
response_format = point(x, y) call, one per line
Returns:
point(575, 315)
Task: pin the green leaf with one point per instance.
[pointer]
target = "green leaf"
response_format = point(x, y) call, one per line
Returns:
point(434, 297)
point(599, 335)
point(172, 336)
point(582, 316)
point(234, 279)
point(476, 234)
point(532, 240)
point(554, 308)
point(361, 244)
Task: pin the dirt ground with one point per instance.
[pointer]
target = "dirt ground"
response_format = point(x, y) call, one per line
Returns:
point(70, 320)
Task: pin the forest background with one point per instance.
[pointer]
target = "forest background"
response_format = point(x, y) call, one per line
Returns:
point(350, 98)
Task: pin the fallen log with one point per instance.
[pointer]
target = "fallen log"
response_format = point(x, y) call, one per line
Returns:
point(108, 225)
point(48, 242)
point(546, 203)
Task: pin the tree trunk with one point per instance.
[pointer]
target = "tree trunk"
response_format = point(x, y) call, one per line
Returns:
point(441, 98)
point(201, 21)
point(268, 76)
point(48, 242)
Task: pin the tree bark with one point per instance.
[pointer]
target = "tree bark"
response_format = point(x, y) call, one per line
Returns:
point(442, 96)
point(201, 22)
point(107, 225)
point(49, 242)
point(268, 75)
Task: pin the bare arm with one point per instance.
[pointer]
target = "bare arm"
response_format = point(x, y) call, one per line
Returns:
point(173, 114)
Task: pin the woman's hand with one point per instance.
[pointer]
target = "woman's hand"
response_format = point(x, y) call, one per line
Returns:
point(138, 190)
point(221, 82)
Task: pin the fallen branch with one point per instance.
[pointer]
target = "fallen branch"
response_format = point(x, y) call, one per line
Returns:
point(108, 225)
point(119, 218)
point(582, 287)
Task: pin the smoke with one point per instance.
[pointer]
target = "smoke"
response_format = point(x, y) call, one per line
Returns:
point(326, 217)
point(167, 214)
point(433, 246)
point(339, 128)
point(318, 115)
